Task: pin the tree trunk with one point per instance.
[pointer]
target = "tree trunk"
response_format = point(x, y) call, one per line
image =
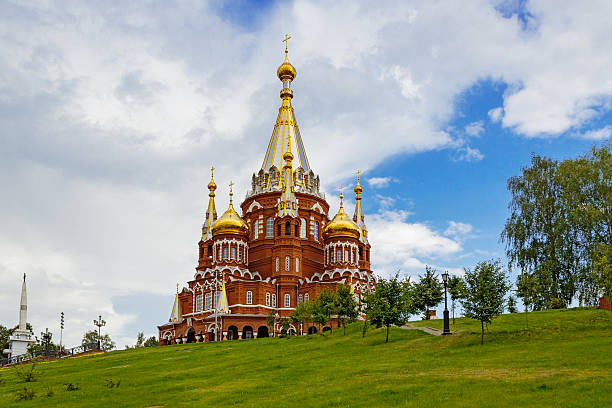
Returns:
point(453, 307)
point(387, 340)
point(526, 316)
point(344, 327)
point(481, 332)
point(365, 326)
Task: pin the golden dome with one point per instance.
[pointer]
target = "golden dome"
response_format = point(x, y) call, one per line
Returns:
point(341, 226)
point(230, 222)
point(286, 71)
point(212, 186)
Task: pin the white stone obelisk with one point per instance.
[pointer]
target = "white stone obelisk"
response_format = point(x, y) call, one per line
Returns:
point(21, 337)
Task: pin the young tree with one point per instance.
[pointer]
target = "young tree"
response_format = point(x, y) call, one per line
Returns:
point(456, 290)
point(511, 304)
point(320, 314)
point(327, 300)
point(346, 306)
point(301, 314)
point(151, 342)
point(428, 292)
point(271, 320)
point(139, 340)
point(91, 337)
point(389, 304)
point(485, 289)
point(528, 290)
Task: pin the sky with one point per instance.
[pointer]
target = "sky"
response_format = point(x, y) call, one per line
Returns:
point(112, 113)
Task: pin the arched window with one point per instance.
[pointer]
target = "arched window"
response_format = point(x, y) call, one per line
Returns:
point(208, 301)
point(346, 255)
point(277, 264)
point(331, 255)
point(306, 297)
point(224, 252)
point(256, 229)
point(210, 250)
point(287, 228)
point(302, 228)
point(270, 227)
point(233, 253)
point(299, 298)
point(279, 229)
point(297, 264)
point(240, 254)
point(217, 293)
point(297, 229)
point(274, 300)
point(316, 231)
point(287, 300)
point(287, 263)
point(339, 255)
point(352, 256)
point(267, 299)
point(199, 303)
point(249, 297)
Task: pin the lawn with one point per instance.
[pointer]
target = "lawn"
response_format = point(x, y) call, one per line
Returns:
point(563, 360)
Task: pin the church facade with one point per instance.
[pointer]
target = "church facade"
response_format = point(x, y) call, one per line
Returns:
point(283, 250)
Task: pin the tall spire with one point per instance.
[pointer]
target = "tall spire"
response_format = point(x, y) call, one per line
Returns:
point(176, 315)
point(358, 217)
point(23, 306)
point(223, 306)
point(286, 131)
point(287, 204)
point(211, 212)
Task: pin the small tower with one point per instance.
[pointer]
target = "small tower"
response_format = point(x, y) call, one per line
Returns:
point(205, 244)
point(358, 217)
point(230, 238)
point(22, 337)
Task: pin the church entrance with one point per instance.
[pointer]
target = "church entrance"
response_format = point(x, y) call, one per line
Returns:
point(232, 333)
point(312, 330)
point(326, 328)
point(191, 335)
point(262, 331)
point(247, 332)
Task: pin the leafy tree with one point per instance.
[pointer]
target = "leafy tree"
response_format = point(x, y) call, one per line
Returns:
point(320, 314)
point(91, 337)
point(511, 304)
point(327, 300)
point(428, 292)
point(485, 289)
point(301, 313)
point(346, 306)
point(527, 289)
point(389, 304)
point(140, 339)
point(151, 342)
point(271, 319)
point(603, 268)
point(456, 290)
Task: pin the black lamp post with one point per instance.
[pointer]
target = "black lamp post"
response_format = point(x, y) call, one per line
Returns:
point(446, 322)
point(46, 337)
point(99, 323)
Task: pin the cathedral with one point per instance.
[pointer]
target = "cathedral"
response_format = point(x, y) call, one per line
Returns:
point(283, 250)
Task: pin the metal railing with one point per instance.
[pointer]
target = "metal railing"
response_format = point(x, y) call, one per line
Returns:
point(48, 353)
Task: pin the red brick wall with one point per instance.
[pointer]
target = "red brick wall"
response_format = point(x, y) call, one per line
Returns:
point(604, 303)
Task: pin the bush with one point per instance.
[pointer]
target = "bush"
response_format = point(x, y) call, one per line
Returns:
point(27, 371)
point(26, 394)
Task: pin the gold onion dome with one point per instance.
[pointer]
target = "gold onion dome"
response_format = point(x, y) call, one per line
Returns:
point(230, 222)
point(286, 71)
point(341, 226)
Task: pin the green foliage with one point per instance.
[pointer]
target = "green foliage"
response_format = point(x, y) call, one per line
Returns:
point(512, 305)
point(603, 269)
point(27, 372)
point(485, 289)
point(561, 212)
point(389, 304)
point(151, 342)
point(113, 383)
point(456, 290)
point(27, 394)
point(301, 313)
point(428, 292)
point(140, 339)
point(346, 306)
point(91, 337)
point(5, 333)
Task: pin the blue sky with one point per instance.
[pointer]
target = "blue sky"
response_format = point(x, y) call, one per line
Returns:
point(112, 115)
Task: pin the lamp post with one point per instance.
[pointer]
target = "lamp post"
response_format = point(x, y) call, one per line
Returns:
point(446, 322)
point(99, 323)
point(46, 337)
point(61, 329)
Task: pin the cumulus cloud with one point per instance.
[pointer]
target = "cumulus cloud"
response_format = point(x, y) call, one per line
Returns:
point(468, 154)
point(458, 230)
point(112, 115)
point(597, 134)
point(495, 114)
point(474, 129)
point(380, 182)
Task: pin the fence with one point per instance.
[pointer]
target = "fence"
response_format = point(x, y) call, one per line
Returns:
point(51, 353)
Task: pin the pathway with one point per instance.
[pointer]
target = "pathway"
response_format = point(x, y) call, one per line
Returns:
point(429, 330)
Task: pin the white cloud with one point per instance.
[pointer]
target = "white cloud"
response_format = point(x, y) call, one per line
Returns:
point(474, 129)
point(380, 182)
point(597, 134)
point(458, 230)
point(468, 154)
point(496, 114)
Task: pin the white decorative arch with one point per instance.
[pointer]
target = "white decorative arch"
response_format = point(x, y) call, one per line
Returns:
point(254, 205)
point(317, 207)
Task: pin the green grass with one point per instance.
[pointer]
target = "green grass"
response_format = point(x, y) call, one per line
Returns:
point(564, 360)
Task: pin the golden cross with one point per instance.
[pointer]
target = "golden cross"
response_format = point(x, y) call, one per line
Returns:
point(341, 187)
point(286, 40)
point(231, 184)
point(212, 171)
point(358, 175)
point(177, 288)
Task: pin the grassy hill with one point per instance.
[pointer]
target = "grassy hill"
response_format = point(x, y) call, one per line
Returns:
point(563, 360)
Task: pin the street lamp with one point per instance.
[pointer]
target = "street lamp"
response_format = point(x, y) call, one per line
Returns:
point(99, 323)
point(446, 322)
point(46, 337)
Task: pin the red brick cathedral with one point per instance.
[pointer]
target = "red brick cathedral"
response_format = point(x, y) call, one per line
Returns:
point(282, 251)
